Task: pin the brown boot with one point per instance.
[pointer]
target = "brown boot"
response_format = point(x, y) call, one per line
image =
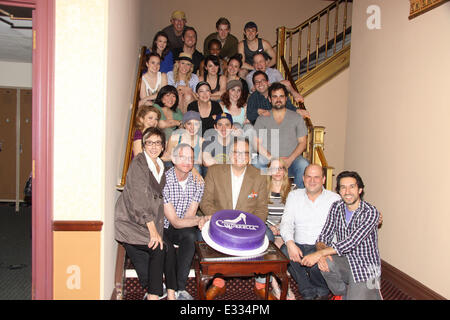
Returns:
point(261, 293)
point(214, 291)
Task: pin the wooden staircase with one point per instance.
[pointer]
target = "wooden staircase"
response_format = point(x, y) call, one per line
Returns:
point(322, 60)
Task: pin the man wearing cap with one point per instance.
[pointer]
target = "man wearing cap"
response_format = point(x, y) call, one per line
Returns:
point(258, 103)
point(252, 44)
point(237, 186)
point(217, 145)
point(228, 41)
point(174, 31)
point(189, 38)
point(182, 195)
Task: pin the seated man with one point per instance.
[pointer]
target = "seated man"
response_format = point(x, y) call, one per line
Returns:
point(305, 213)
point(284, 135)
point(228, 187)
point(351, 263)
point(217, 143)
point(182, 195)
point(258, 103)
point(229, 43)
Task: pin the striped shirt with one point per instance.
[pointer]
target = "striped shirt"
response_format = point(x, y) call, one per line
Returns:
point(357, 240)
point(181, 197)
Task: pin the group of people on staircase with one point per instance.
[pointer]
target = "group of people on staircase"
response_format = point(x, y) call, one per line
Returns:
point(220, 123)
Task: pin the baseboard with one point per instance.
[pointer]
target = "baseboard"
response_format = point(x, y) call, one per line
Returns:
point(408, 285)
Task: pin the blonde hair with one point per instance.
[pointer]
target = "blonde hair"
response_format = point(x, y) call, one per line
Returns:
point(285, 185)
point(176, 74)
point(142, 112)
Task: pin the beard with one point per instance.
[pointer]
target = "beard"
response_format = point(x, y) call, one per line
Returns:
point(278, 106)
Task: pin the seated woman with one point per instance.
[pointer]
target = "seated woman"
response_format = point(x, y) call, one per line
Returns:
point(183, 78)
point(212, 76)
point(234, 103)
point(146, 117)
point(214, 47)
point(161, 46)
point(190, 134)
point(279, 186)
point(232, 73)
point(153, 80)
point(167, 103)
point(139, 219)
point(207, 108)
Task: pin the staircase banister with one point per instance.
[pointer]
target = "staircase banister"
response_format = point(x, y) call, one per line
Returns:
point(315, 16)
point(136, 97)
point(294, 86)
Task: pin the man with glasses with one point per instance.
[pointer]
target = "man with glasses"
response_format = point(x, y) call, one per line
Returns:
point(236, 186)
point(305, 213)
point(182, 195)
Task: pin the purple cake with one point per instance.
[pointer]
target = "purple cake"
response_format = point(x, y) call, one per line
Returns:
point(234, 229)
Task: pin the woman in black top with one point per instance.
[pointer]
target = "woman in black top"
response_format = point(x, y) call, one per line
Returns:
point(207, 108)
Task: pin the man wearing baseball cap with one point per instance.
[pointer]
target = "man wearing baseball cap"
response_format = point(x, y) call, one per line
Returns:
point(218, 141)
point(174, 31)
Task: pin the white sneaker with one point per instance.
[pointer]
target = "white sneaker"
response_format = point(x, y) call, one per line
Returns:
point(183, 295)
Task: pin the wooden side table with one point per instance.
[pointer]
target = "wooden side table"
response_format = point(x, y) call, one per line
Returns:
point(210, 263)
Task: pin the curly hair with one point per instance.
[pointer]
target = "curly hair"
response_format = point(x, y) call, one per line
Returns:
point(176, 74)
point(225, 98)
point(142, 112)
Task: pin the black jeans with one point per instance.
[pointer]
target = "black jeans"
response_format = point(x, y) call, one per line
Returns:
point(150, 265)
point(185, 238)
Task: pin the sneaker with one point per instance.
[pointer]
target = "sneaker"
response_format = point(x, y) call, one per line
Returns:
point(183, 295)
point(336, 297)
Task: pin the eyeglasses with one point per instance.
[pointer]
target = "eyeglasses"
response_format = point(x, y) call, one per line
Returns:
point(153, 143)
point(278, 168)
point(185, 159)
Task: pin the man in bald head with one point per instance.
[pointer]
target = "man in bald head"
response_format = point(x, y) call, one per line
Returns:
point(305, 214)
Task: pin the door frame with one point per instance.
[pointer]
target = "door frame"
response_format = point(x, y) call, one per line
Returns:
point(42, 144)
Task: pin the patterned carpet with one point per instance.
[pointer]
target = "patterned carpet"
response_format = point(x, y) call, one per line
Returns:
point(242, 289)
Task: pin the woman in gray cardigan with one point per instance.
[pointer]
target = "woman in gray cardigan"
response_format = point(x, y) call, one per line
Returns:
point(139, 218)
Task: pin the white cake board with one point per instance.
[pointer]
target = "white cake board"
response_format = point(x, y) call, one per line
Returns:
point(233, 252)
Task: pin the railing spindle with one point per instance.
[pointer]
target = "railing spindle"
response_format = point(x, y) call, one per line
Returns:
point(327, 33)
point(299, 58)
point(336, 20)
point(317, 39)
point(290, 51)
point(345, 23)
point(308, 46)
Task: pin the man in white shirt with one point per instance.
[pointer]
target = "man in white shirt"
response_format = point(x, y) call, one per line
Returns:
point(305, 214)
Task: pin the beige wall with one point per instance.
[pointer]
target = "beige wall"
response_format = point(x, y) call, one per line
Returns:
point(203, 14)
point(123, 50)
point(328, 108)
point(397, 133)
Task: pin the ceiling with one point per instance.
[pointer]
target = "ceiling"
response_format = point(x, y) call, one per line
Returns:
point(15, 34)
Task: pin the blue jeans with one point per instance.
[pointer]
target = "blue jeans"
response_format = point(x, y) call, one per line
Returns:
point(296, 169)
point(309, 280)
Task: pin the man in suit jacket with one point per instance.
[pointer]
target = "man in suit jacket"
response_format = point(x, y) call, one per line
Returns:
point(237, 186)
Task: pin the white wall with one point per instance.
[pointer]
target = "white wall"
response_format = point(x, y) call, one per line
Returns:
point(15, 74)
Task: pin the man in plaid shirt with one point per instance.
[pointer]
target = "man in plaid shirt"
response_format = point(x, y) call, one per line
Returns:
point(182, 195)
point(351, 265)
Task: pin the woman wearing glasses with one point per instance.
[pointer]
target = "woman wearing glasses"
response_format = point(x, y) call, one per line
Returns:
point(139, 219)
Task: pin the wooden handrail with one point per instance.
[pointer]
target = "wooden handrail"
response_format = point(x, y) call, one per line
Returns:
point(286, 36)
point(128, 150)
